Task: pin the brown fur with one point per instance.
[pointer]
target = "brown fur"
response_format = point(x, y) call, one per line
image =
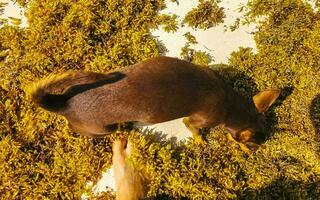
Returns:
point(153, 91)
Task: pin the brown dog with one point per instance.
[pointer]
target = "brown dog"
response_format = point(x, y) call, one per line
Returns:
point(154, 91)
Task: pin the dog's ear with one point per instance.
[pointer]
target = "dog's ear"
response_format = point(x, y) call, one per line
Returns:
point(263, 100)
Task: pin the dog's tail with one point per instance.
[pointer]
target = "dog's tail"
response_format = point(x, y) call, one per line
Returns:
point(53, 92)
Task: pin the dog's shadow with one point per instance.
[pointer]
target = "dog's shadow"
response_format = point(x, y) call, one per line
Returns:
point(154, 136)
